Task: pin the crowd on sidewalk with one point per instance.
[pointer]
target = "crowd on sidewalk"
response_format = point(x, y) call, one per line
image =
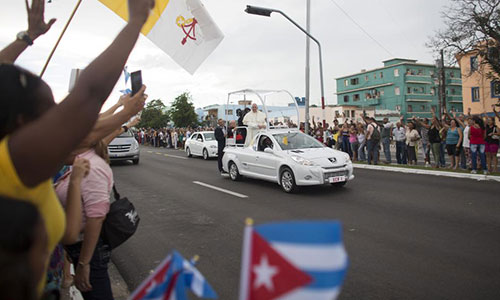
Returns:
point(174, 138)
point(55, 197)
point(470, 142)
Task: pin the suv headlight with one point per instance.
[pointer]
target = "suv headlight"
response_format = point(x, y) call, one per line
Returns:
point(135, 146)
point(302, 161)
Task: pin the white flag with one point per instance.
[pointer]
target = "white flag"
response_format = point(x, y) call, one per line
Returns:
point(181, 28)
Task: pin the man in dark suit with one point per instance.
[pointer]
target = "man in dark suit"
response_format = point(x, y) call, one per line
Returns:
point(220, 136)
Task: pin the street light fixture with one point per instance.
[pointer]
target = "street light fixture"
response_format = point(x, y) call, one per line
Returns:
point(266, 12)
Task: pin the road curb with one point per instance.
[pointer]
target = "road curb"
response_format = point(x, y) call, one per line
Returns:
point(118, 284)
point(478, 177)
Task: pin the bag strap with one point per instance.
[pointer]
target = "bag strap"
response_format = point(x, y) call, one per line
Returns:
point(115, 193)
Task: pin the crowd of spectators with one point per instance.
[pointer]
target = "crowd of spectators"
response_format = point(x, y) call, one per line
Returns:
point(470, 142)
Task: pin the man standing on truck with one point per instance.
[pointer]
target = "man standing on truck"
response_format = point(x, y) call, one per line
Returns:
point(255, 120)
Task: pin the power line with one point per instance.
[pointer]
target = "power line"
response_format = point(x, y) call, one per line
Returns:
point(362, 29)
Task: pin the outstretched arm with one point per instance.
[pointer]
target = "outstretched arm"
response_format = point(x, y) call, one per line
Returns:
point(75, 116)
point(36, 28)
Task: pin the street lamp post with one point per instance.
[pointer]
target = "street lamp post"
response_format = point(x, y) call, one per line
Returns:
point(266, 12)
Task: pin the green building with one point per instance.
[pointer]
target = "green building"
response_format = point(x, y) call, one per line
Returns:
point(401, 86)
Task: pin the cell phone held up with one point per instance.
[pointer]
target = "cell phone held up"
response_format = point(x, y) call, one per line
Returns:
point(136, 79)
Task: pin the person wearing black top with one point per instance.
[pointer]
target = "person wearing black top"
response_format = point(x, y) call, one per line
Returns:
point(435, 141)
point(220, 136)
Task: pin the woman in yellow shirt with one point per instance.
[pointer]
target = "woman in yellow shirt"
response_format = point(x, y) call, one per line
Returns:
point(36, 135)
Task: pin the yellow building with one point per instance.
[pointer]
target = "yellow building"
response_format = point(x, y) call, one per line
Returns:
point(479, 91)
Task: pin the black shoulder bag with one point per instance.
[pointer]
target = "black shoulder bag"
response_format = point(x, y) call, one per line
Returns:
point(121, 221)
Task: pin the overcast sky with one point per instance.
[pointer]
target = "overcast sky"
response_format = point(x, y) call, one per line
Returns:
point(257, 52)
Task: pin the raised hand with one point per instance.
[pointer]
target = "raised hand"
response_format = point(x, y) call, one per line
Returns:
point(134, 104)
point(81, 168)
point(139, 10)
point(36, 19)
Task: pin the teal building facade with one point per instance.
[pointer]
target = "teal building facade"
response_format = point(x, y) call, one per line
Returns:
point(401, 86)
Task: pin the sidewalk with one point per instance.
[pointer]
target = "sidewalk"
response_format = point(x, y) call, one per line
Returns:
point(427, 171)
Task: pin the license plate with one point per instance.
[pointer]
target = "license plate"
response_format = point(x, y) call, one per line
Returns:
point(337, 179)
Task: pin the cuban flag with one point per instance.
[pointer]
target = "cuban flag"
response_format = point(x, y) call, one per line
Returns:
point(293, 261)
point(170, 280)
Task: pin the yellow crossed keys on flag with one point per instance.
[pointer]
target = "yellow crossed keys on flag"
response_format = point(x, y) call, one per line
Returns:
point(120, 7)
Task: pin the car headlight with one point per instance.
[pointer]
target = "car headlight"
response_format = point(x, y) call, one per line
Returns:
point(135, 146)
point(347, 159)
point(213, 146)
point(302, 161)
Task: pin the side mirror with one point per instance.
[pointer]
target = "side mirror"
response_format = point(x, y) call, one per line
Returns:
point(269, 150)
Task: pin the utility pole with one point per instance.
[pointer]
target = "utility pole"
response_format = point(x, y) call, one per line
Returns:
point(308, 44)
point(442, 101)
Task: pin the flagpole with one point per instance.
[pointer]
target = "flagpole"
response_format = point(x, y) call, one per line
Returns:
point(60, 37)
point(245, 259)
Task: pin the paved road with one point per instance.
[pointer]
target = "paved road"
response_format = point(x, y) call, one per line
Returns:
point(407, 236)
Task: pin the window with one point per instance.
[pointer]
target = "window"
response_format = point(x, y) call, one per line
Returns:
point(408, 90)
point(396, 72)
point(473, 64)
point(453, 92)
point(356, 97)
point(433, 91)
point(346, 113)
point(346, 82)
point(374, 75)
point(397, 91)
point(495, 89)
point(410, 108)
point(398, 107)
point(381, 75)
point(475, 94)
point(366, 77)
point(337, 115)
point(420, 72)
point(422, 107)
point(353, 114)
point(229, 112)
point(354, 81)
point(194, 136)
point(381, 93)
point(368, 96)
point(452, 75)
point(346, 98)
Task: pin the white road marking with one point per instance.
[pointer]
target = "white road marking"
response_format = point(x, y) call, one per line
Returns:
point(220, 189)
point(175, 156)
point(150, 151)
point(158, 153)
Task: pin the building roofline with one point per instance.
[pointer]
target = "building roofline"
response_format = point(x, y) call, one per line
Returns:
point(399, 58)
point(386, 67)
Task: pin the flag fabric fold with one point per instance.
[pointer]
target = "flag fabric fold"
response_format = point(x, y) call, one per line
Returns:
point(295, 260)
point(181, 28)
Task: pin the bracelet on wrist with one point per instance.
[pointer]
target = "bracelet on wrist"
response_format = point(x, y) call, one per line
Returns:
point(81, 263)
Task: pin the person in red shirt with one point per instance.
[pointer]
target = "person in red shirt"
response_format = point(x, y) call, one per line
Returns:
point(477, 135)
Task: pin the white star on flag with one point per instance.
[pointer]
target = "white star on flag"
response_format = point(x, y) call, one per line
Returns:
point(264, 274)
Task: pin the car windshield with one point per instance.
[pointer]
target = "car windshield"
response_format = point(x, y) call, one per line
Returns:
point(209, 136)
point(126, 134)
point(296, 140)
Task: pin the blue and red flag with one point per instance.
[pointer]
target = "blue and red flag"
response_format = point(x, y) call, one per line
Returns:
point(170, 280)
point(293, 261)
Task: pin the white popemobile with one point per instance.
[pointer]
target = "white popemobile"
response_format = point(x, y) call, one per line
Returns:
point(286, 156)
point(202, 144)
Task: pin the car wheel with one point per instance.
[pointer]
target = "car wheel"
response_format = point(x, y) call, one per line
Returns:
point(188, 152)
point(234, 173)
point(287, 181)
point(205, 154)
point(135, 161)
point(339, 184)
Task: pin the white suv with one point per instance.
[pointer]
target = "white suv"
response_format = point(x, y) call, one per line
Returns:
point(124, 147)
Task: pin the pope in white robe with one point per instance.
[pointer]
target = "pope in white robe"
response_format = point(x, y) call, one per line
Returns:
point(255, 120)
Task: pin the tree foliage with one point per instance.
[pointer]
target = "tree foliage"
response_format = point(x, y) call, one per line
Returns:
point(471, 25)
point(154, 115)
point(182, 111)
